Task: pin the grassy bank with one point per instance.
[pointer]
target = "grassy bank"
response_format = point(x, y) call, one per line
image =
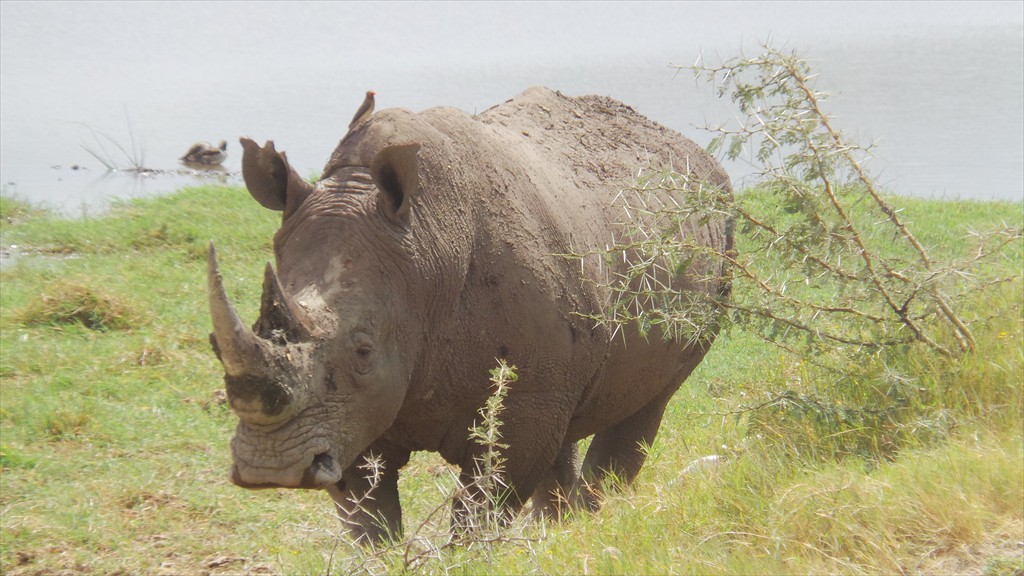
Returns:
point(114, 443)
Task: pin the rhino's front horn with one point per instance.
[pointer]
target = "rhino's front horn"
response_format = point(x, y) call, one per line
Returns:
point(237, 347)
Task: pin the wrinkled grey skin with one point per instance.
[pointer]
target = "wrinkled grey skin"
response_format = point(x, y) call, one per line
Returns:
point(429, 249)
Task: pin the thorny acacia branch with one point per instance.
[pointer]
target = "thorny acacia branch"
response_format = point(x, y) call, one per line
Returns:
point(822, 254)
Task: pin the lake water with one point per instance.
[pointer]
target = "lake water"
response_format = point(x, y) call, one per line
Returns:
point(938, 86)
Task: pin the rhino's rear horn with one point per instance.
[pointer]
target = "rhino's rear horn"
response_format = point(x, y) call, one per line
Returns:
point(281, 318)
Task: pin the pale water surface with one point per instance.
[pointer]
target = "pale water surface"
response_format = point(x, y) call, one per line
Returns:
point(938, 86)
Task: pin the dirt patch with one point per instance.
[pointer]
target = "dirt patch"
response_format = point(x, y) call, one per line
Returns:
point(999, 554)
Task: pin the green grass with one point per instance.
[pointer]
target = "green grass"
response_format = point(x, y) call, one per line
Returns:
point(14, 208)
point(114, 448)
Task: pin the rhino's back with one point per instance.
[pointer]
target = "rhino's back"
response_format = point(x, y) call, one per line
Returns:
point(573, 158)
point(603, 140)
point(595, 145)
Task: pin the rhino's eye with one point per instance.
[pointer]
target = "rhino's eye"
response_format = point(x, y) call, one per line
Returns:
point(364, 354)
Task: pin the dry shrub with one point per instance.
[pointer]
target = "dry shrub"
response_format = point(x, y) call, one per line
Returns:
point(67, 303)
point(67, 424)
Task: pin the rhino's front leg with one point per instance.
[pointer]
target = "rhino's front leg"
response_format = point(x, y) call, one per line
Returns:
point(367, 496)
point(553, 495)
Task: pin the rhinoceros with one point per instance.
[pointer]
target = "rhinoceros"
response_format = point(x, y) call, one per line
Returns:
point(433, 245)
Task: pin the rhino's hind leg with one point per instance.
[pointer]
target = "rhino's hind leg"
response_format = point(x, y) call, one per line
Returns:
point(553, 495)
point(367, 497)
point(618, 453)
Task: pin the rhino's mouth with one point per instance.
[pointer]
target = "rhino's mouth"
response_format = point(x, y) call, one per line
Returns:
point(321, 473)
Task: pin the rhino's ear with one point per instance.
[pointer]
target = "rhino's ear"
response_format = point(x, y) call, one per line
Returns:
point(395, 171)
point(270, 179)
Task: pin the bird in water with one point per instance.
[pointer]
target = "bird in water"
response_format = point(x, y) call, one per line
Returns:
point(364, 111)
point(203, 153)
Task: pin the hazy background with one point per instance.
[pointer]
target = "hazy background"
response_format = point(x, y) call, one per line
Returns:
point(939, 85)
